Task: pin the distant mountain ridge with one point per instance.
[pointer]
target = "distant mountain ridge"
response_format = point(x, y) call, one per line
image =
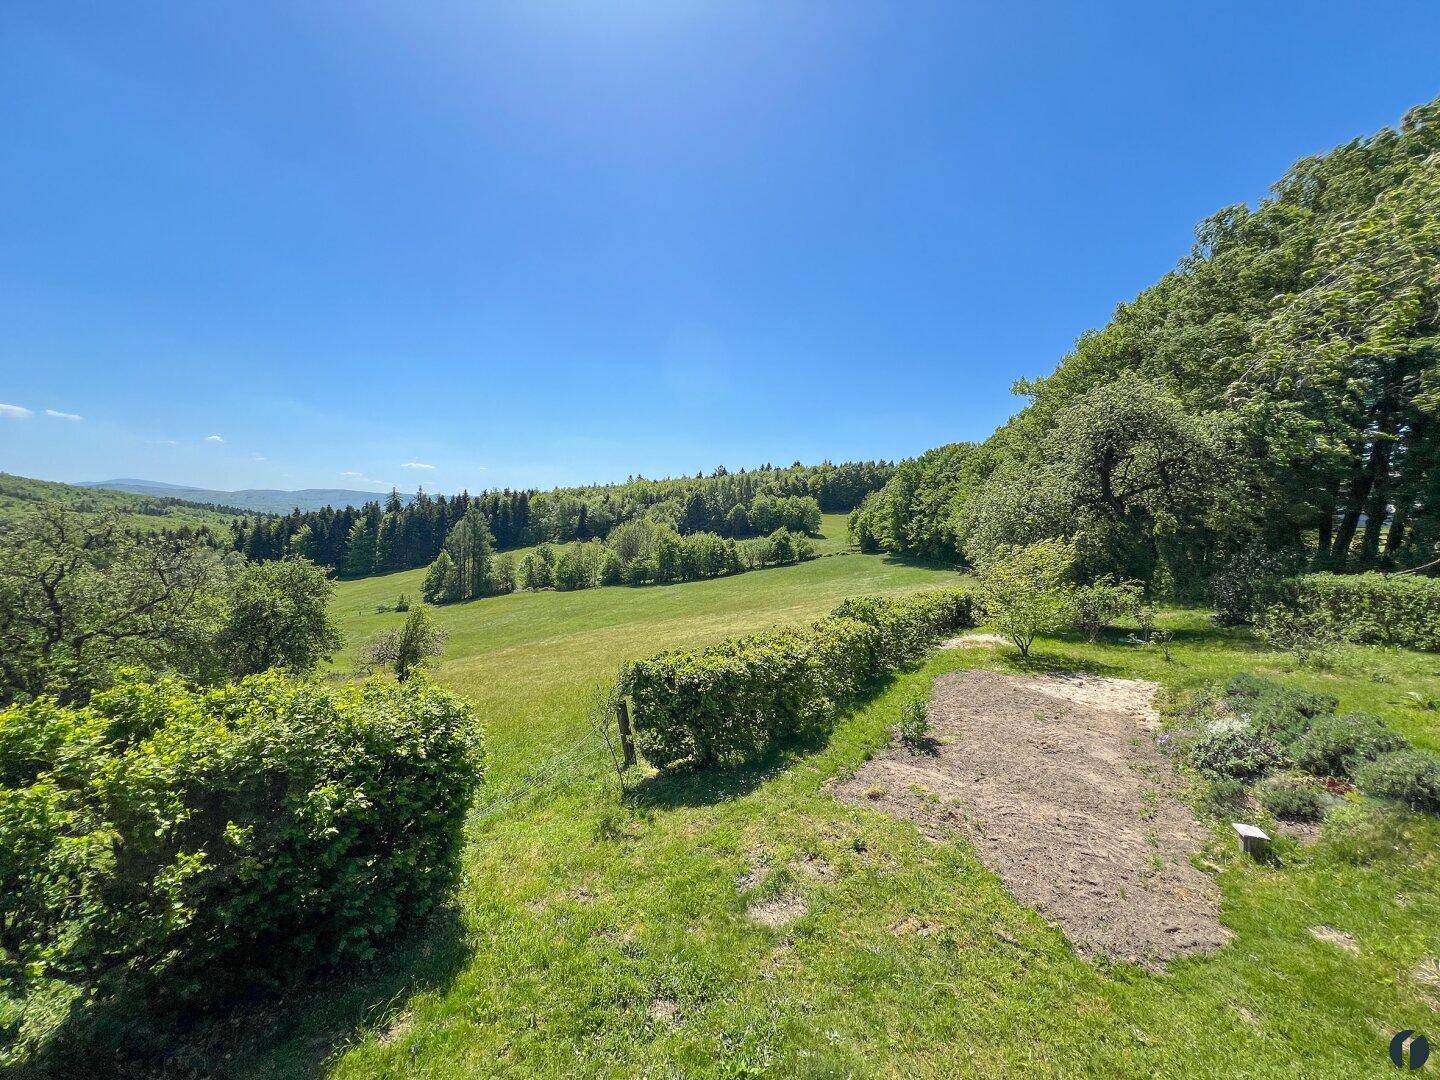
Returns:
point(258, 500)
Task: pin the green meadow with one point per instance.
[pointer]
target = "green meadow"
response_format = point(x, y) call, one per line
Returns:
point(595, 936)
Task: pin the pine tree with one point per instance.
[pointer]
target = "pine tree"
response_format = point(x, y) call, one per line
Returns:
point(360, 549)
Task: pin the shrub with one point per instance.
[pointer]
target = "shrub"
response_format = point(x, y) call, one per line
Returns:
point(1099, 604)
point(165, 845)
point(1311, 636)
point(1373, 609)
point(913, 727)
point(1292, 797)
point(910, 626)
point(733, 700)
point(1411, 777)
point(1244, 687)
point(1276, 719)
point(1338, 745)
point(1223, 799)
point(1249, 583)
point(1231, 748)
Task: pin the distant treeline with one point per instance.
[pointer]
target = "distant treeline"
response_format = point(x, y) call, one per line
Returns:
point(383, 537)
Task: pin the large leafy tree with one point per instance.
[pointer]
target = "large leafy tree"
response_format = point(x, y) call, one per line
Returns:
point(277, 616)
point(1276, 391)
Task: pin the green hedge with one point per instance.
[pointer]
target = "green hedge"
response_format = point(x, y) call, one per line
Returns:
point(731, 701)
point(165, 845)
point(1373, 609)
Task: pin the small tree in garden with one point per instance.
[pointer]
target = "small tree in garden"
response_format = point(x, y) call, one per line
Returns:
point(407, 649)
point(1100, 603)
point(1025, 591)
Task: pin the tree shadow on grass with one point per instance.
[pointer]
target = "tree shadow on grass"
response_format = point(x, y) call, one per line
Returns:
point(293, 1034)
point(1043, 663)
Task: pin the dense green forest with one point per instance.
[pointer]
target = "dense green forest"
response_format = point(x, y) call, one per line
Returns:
point(1275, 394)
point(395, 535)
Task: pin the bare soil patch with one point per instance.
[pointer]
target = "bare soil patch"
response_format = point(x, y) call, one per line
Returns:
point(977, 640)
point(776, 912)
point(1339, 938)
point(1060, 786)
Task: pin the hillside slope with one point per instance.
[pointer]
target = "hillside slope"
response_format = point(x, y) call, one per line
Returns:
point(21, 494)
point(596, 939)
point(258, 500)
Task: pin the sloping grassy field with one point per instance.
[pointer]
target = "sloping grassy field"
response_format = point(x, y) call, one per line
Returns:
point(595, 938)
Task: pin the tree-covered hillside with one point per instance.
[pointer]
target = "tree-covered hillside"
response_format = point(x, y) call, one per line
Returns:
point(21, 496)
point(381, 537)
point(254, 500)
point(1277, 390)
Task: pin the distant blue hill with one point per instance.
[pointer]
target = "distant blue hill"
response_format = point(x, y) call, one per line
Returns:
point(260, 500)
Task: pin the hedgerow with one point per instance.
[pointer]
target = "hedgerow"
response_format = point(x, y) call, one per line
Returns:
point(166, 846)
point(731, 701)
point(1372, 609)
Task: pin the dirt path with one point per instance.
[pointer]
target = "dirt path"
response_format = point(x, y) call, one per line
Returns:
point(1058, 783)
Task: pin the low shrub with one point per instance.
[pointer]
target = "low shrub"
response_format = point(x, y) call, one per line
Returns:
point(1274, 709)
point(1411, 777)
point(1312, 636)
point(1231, 749)
point(1338, 745)
point(910, 626)
point(913, 728)
point(1100, 603)
point(1223, 799)
point(1292, 797)
point(168, 846)
point(731, 701)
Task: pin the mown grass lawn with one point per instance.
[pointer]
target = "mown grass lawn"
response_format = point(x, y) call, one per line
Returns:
point(595, 938)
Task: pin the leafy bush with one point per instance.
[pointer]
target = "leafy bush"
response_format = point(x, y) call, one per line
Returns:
point(1312, 636)
point(1276, 710)
point(1248, 584)
point(1408, 776)
point(1338, 745)
point(733, 700)
point(1100, 603)
point(1244, 687)
point(913, 727)
point(910, 626)
point(165, 845)
point(1231, 748)
point(1373, 609)
point(1292, 797)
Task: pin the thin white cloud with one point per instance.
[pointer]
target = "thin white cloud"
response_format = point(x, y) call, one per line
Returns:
point(361, 478)
point(163, 442)
point(416, 465)
point(257, 457)
point(213, 438)
point(58, 415)
point(15, 412)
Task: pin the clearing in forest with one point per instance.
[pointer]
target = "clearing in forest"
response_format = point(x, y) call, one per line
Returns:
point(1059, 784)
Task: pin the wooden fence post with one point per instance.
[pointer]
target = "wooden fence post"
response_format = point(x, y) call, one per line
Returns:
point(622, 721)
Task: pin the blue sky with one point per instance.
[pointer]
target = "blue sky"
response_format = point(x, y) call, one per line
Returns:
point(290, 245)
